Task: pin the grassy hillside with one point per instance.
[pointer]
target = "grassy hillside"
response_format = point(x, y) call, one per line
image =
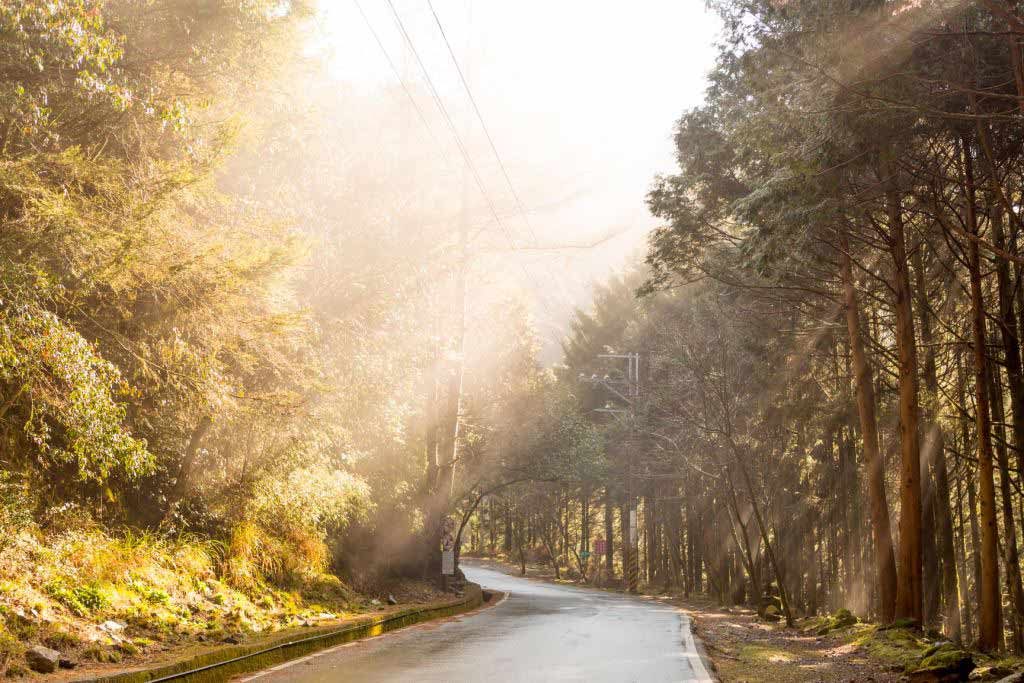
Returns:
point(97, 595)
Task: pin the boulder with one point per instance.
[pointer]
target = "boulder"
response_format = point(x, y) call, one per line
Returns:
point(843, 618)
point(42, 659)
point(990, 673)
point(392, 600)
point(943, 663)
point(899, 623)
point(1013, 678)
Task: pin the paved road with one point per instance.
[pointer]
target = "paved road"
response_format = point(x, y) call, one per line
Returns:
point(541, 632)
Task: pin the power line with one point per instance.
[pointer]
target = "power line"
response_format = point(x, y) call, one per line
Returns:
point(448, 119)
point(558, 286)
point(483, 124)
point(462, 148)
point(401, 81)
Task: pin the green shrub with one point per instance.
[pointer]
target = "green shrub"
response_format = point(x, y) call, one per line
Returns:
point(154, 596)
point(103, 655)
point(81, 600)
point(10, 648)
point(16, 671)
point(61, 640)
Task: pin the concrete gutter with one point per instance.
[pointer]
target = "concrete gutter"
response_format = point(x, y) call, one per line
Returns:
point(223, 663)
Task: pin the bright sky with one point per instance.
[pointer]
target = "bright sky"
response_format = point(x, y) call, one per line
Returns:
point(579, 96)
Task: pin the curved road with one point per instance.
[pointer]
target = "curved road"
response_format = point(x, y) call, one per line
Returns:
point(541, 632)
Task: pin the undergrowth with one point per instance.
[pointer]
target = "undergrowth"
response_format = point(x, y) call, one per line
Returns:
point(96, 595)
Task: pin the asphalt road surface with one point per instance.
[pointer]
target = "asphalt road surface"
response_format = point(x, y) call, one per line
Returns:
point(541, 632)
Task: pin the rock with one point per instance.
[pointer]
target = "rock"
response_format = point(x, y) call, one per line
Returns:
point(392, 600)
point(66, 663)
point(326, 615)
point(112, 627)
point(943, 663)
point(990, 673)
point(233, 639)
point(1013, 678)
point(771, 601)
point(375, 602)
point(899, 623)
point(42, 659)
point(843, 618)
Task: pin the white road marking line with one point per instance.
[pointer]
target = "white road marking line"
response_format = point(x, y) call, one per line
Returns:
point(696, 661)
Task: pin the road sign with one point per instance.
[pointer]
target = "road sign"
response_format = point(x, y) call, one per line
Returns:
point(448, 562)
point(448, 534)
point(599, 546)
point(585, 554)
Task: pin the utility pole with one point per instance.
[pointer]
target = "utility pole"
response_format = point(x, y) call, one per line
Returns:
point(627, 390)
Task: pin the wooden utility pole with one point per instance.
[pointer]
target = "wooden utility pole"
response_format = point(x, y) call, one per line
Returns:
point(627, 390)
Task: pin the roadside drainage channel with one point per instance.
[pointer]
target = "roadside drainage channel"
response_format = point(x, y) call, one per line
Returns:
point(222, 664)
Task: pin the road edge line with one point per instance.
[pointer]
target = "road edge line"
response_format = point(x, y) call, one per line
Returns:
point(704, 660)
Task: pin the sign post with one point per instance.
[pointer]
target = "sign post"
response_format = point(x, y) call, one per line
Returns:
point(447, 551)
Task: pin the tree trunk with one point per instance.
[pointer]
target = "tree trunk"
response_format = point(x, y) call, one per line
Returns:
point(961, 548)
point(769, 550)
point(989, 607)
point(1015, 380)
point(885, 561)
point(1010, 555)
point(675, 558)
point(909, 579)
point(935, 460)
point(183, 481)
point(432, 537)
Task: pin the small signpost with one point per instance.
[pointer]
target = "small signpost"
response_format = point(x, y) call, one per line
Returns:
point(599, 546)
point(448, 547)
point(585, 555)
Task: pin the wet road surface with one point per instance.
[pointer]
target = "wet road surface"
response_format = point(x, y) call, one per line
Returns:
point(541, 632)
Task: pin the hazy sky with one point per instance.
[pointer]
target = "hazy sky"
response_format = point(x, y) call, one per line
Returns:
point(580, 99)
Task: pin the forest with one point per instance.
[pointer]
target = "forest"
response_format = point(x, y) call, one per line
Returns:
point(237, 365)
point(256, 362)
point(830, 399)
